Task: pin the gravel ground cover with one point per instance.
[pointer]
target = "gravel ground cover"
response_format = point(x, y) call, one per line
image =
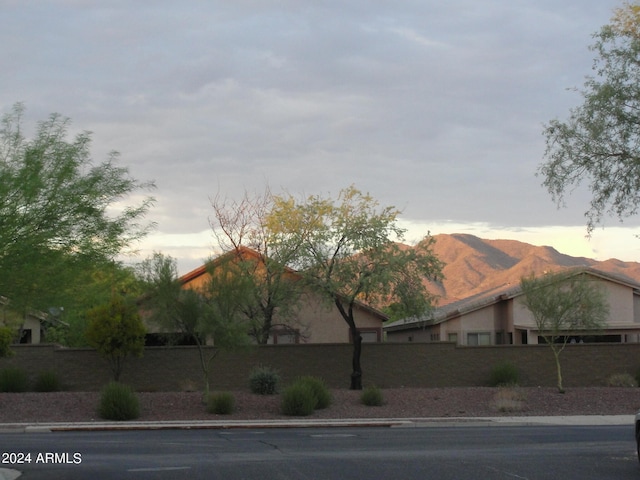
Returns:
point(399, 403)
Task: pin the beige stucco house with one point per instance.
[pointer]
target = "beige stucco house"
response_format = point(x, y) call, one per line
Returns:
point(31, 327)
point(314, 321)
point(498, 317)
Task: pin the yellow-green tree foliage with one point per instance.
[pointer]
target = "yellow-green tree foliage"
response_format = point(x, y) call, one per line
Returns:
point(116, 331)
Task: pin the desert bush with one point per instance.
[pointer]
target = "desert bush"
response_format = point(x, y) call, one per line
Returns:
point(13, 379)
point(372, 396)
point(320, 390)
point(47, 381)
point(508, 400)
point(621, 380)
point(223, 403)
point(298, 400)
point(6, 337)
point(504, 374)
point(118, 402)
point(264, 381)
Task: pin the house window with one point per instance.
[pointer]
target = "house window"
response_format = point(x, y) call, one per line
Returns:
point(480, 338)
point(435, 337)
point(452, 337)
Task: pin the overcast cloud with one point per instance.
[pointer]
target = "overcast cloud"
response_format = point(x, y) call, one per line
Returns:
point(434, 107)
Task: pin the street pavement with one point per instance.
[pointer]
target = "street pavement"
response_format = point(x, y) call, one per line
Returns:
point(570, 420)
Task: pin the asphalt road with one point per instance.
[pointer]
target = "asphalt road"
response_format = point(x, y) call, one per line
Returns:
point(459, 453)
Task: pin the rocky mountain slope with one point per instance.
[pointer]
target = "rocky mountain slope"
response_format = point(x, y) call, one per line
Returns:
point(474, 265)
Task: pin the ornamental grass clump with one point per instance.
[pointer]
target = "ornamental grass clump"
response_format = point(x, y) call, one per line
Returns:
point(319, 389)
point(47, 381)
point(298, 400)
point(118, 402)
point(223, 403)
point(504, 374)
point(13, 379)
point(372, 396)
point(622, 380)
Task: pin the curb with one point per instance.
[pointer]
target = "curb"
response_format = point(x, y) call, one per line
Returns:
point(576, 420)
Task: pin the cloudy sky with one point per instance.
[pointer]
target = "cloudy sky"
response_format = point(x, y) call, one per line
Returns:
point(434, 107)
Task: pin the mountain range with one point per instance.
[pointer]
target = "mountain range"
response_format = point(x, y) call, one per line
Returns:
point(473, 265)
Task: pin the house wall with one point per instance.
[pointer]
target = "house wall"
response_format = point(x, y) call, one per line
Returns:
point(321, 322)
point(316, 320)
point(511, 317)
point(388, 365)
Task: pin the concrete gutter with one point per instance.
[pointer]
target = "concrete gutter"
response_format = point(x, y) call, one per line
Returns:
point(573, 420)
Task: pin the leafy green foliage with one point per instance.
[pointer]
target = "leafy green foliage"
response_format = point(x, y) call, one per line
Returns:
point(223, 403)
point(118, 402)
point(209, 313)
point(372, 396)
point(599, 143)
point(348, 252)
point(6, 338)
point(264, 381)
point(298, 400)
point(56, 215)
point(13, 379)
point(47, 381)
point(116, 331)
point(319, 389)
point(503, 374)
point(564, 304)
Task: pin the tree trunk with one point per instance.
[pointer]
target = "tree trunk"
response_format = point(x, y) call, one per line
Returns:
point(559, 371)
point(356, 374)
point(356, 369)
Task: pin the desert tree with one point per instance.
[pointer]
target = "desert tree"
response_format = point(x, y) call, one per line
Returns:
point(599, 142)
point(61, 214)
point(350, 253)
point(564, 304)
point(209, 316)
point(261, 258)
point(116, 331)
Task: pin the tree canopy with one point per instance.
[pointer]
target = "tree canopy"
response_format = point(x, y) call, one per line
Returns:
point(116, 331)
point(60, 213)
point(271, 292)
point(349, 253)
point(562, 305)
point(210, 315)
point(599, 143)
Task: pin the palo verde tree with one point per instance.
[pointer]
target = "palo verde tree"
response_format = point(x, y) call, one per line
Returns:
point(58, 215)
point(272, 292)
point(116, 331)
point(210, 315)
point(599, 143)
point(564, 304)
point(350, 253)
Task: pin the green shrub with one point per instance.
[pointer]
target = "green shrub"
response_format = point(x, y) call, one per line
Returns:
point(6, 338)
point(622, 380)
point(504, 374)
point(372, 396)
point(47, 382)
point(319, 389)
point(13, 379)
point(118, 402)
point(223, 403)
point(298, 400)
point(264, 381)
